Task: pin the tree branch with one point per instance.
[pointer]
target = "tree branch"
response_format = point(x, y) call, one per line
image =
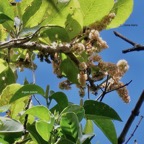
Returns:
point(134, 113)
point(137, 47)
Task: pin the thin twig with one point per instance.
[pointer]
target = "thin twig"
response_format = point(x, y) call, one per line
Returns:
point(131, 118)
point(134, 130)
point(37, 100)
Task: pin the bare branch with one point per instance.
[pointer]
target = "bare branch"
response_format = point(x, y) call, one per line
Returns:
point(137, 47)
point(134, 130)
point(128, 124)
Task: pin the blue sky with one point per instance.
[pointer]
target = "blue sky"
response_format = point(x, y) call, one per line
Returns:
point(44, 74)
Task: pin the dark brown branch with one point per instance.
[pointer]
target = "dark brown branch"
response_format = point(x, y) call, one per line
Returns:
point(128, 124)
point(136, 47)
point(134, 130)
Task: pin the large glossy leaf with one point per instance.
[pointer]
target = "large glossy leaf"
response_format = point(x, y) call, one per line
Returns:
point(67, 15)
point(7, 77)
point(7, 9)
point(69, 69)
point(108, 129)
point(70, 125)
point(78, 110)
point(88, 129)
point(44, 129)
point(61, 99)
point(35, 135)
point(40, 112)
point(7, 93)
point(27, 90)
point(94, 110)
point(8, 125)
point(95, 10)
point(122, 9)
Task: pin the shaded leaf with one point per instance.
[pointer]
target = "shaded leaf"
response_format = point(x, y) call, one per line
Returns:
point(61, 99)
point(95, 10)
point(86, 138)
point(69, 69)
point(94, 109)
point(7, 77)
point(40, 112)
point(8, 125)
point(27, 90)
point(122, 9)
point(4, 18)
point(70, 125)
point(108, 129)
point(78, 110)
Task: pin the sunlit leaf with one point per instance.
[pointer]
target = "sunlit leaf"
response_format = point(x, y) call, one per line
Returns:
point(95, 10)
point(40, 112)
point(44, 129)
point(88, 129)
point(3, 65)
point(27, 90)
point(78, 110)
point(35, 135)
point(94, 110)
point(108, 129)
point(70, 125)
point(67, 15)
point(7, 93)
point(64, 141)
point(122, 9)
point(7, 9)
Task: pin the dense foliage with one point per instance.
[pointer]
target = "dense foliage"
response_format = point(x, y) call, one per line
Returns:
point(66, 34)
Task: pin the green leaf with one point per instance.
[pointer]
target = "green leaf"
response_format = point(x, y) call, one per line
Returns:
point(40, 112)
point(85, 139)
point(88, 127)
point(2, 141)
point(4, 18)
point(44, 129)
point(107, 128)
point(35, 135)
point(61, 99)
point(7, 9)
point(95, 10)
point(69, 69)
point(7, 77)
point(3, 65)
point(56, 34)
point(94, 110)
point(78, 110)
point(8, 125)
point(3, 33)
point(64, 141)
point(29, 17)
point(122, 9)
point(7, 93)
point(27, 90)
point(67, 15)
point(70, 125)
